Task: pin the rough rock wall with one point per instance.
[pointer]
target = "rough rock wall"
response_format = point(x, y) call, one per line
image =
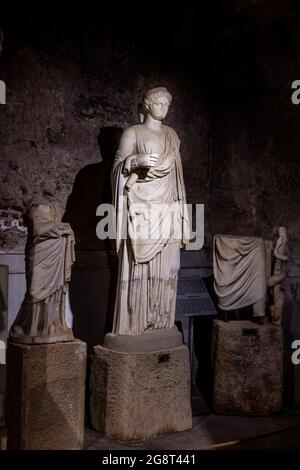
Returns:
point(71, 89)
point(255, 144)
point(74, 84)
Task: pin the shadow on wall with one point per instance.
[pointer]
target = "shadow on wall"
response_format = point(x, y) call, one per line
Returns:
point(94, 274)
point(91, 188)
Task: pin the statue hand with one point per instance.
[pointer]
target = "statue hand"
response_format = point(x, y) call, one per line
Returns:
point(147, 160)
point(65, 229)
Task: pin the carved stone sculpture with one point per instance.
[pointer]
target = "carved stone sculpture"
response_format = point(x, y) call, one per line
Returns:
point(239, 273)
point(49, 256)
point(244, 274)
point(149, 198)
point(278, 275)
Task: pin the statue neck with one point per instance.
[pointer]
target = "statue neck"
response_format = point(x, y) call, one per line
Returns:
point(153, 124)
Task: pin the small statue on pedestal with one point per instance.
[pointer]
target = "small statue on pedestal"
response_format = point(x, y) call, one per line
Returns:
point(49, 256)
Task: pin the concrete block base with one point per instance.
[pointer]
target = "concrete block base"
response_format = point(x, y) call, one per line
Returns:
point(45, 396)
point(137, 395)
point(248, 368)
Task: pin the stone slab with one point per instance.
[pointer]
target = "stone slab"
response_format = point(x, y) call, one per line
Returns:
point(16, 282)
point(3, 335)
point(248, 368)
point(3, 439)
point(45, 396)
point(293, 269)
point(294, 249)
point(139, 395)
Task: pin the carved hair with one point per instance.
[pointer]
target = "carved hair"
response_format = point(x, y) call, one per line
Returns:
point(154, 93)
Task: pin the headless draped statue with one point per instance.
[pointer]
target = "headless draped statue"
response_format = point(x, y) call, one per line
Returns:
point(243, 274)
point(49, 256)
point(151, 220)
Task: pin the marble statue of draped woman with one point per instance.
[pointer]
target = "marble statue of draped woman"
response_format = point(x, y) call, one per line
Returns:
point(148, 265)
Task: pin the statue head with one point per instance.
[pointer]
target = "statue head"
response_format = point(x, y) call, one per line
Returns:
point(156, 102)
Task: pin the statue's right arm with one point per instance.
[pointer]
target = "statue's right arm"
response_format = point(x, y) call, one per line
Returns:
point(65, 228)
point(132, 161)
point(125, 150)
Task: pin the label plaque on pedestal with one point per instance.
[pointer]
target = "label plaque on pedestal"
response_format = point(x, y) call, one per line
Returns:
point(193, 298)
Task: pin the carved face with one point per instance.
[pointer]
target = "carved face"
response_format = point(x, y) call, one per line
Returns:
point(159, 107)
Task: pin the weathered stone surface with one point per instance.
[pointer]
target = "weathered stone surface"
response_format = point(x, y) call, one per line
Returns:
point(3, 336)
point(294, 249)
point(66, 83)
point(45, 396)
point(3, 439)
point(138, 395)
point(71, 90)
point(248, 368)
point(293, 269)
point(291, 328)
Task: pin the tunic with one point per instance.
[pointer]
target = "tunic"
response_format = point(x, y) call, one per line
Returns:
point(151, 226)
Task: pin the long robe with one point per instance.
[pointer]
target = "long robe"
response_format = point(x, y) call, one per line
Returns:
point(239, 271)
point(155, 209)
point(49, 257)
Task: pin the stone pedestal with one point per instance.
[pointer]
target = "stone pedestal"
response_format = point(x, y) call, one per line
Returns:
point(140, 385)
point(3, 336)
point(45, 395)
point(248, 368)
point(3, 438)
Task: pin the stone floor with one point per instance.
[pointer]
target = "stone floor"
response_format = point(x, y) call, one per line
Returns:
point(211, 432)
point(216, 432)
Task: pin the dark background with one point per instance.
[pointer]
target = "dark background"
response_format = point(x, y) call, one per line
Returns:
point(75, 75)
point(74, 79)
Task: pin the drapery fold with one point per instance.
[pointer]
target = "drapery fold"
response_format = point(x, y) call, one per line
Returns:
point(239, 271)
point(151, 226)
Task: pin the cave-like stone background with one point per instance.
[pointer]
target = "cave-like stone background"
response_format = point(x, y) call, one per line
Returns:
point(75, 79)
point(74, 83)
